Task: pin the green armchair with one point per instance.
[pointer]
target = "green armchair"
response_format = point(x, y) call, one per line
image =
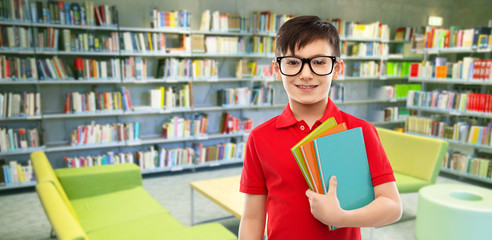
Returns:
point(416, 160)
point(109, 202)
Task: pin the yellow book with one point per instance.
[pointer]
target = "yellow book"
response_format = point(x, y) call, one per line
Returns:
point(149, 37)
point(163, 91)
point(296, 152)
point(120, 103)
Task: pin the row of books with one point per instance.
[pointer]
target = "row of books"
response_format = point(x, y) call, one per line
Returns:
point(395, 113)
point(267, 21)
point(363, 69)
point(99, 160)
point(259, 95)
point(462, 131)
point(178, 127)
point(16, 37)
point(107, 133)
point(469, 68)
point(186, 68)
point(337, 92)
point(173, 19)
point(397, 69)
point(222, 22)
point(153, 159)
point(220, 152)
point(143, 42)
point(18, 68)
point(259, 21)
point(18, 139)
point(53, 69)
point(231, 124)
point(457, 36)
point(76, 102)
point(164, 157)
point(232, 45)
point(471, 164)
point(84, 42)
point(98, 69)
point(400, 91)
point(359, 30)
point(59, 12)
point(20, 104)
point(364, 49)
point(248, 69)
point(14, 172)
point(407, 33)
point(171, 97)
point(451, 100)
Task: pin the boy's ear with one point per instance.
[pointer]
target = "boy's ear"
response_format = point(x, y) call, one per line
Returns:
point(339, 69)
point(276, 71)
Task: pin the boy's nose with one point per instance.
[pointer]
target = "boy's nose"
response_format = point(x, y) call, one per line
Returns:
point(306, 72)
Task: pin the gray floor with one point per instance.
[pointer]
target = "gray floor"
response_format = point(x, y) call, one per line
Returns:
point(22, 217)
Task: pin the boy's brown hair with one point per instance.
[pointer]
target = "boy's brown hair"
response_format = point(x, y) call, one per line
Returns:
point(301, 31)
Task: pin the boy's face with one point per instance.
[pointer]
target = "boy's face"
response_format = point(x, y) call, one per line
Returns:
point(306, 87)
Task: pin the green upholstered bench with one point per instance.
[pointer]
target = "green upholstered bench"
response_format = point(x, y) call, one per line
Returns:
point(415, 160)
point(109, 202)
point(454, 211)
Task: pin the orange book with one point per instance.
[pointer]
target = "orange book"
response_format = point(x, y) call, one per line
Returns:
point(441, 71)
point(307, 150)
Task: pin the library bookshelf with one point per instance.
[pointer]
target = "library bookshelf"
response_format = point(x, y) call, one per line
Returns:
point(138, 69)
point(452, 112)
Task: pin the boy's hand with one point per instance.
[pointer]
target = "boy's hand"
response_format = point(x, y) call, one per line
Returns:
point(326, 208)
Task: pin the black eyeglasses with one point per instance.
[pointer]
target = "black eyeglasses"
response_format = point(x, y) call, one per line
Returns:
point(320, 65)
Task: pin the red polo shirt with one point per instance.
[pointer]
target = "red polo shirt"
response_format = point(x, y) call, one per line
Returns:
point(269, 168)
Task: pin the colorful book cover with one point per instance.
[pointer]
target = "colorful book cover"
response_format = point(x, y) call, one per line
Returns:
point(329, 123)
point(344, 155)
point(309, 155)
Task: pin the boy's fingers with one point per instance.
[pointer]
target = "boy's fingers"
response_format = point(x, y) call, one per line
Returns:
point(309, 193)
point(332, 189)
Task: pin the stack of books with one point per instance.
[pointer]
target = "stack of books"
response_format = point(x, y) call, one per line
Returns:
point(332, 150)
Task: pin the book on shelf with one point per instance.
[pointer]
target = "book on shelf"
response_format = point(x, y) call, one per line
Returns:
point(17, 139)
point(107, 133)
point(462, 131)
point(15, 172)
point(249, 69)
point(176, 19)
point(16, 37)
point(180, 128)
point(231, 124)
point(99, 160)
point(25, 104)
point(205, 21)
point(480, 166)
point(76, 102)
point(220, 152)
point(2, 173)
point(16, 68)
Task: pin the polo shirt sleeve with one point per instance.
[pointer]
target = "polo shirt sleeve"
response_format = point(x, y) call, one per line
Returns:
point(252, 177)
point(381, 171)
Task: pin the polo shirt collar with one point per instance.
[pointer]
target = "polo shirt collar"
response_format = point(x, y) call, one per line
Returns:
point(286, 118)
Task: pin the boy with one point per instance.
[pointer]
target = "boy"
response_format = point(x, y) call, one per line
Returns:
point(307, 60)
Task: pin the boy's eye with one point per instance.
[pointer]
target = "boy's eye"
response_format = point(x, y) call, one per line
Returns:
point(292, 61)
point(318, 61)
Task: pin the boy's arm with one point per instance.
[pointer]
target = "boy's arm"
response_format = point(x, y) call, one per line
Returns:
point(385, 209)
point(252, 224)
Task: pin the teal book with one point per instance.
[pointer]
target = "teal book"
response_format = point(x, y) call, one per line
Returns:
point(344, 155)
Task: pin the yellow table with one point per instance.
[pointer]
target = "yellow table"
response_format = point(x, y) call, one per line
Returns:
point(222, 191)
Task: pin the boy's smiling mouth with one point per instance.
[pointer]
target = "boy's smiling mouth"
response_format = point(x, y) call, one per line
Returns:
point(306, 87)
